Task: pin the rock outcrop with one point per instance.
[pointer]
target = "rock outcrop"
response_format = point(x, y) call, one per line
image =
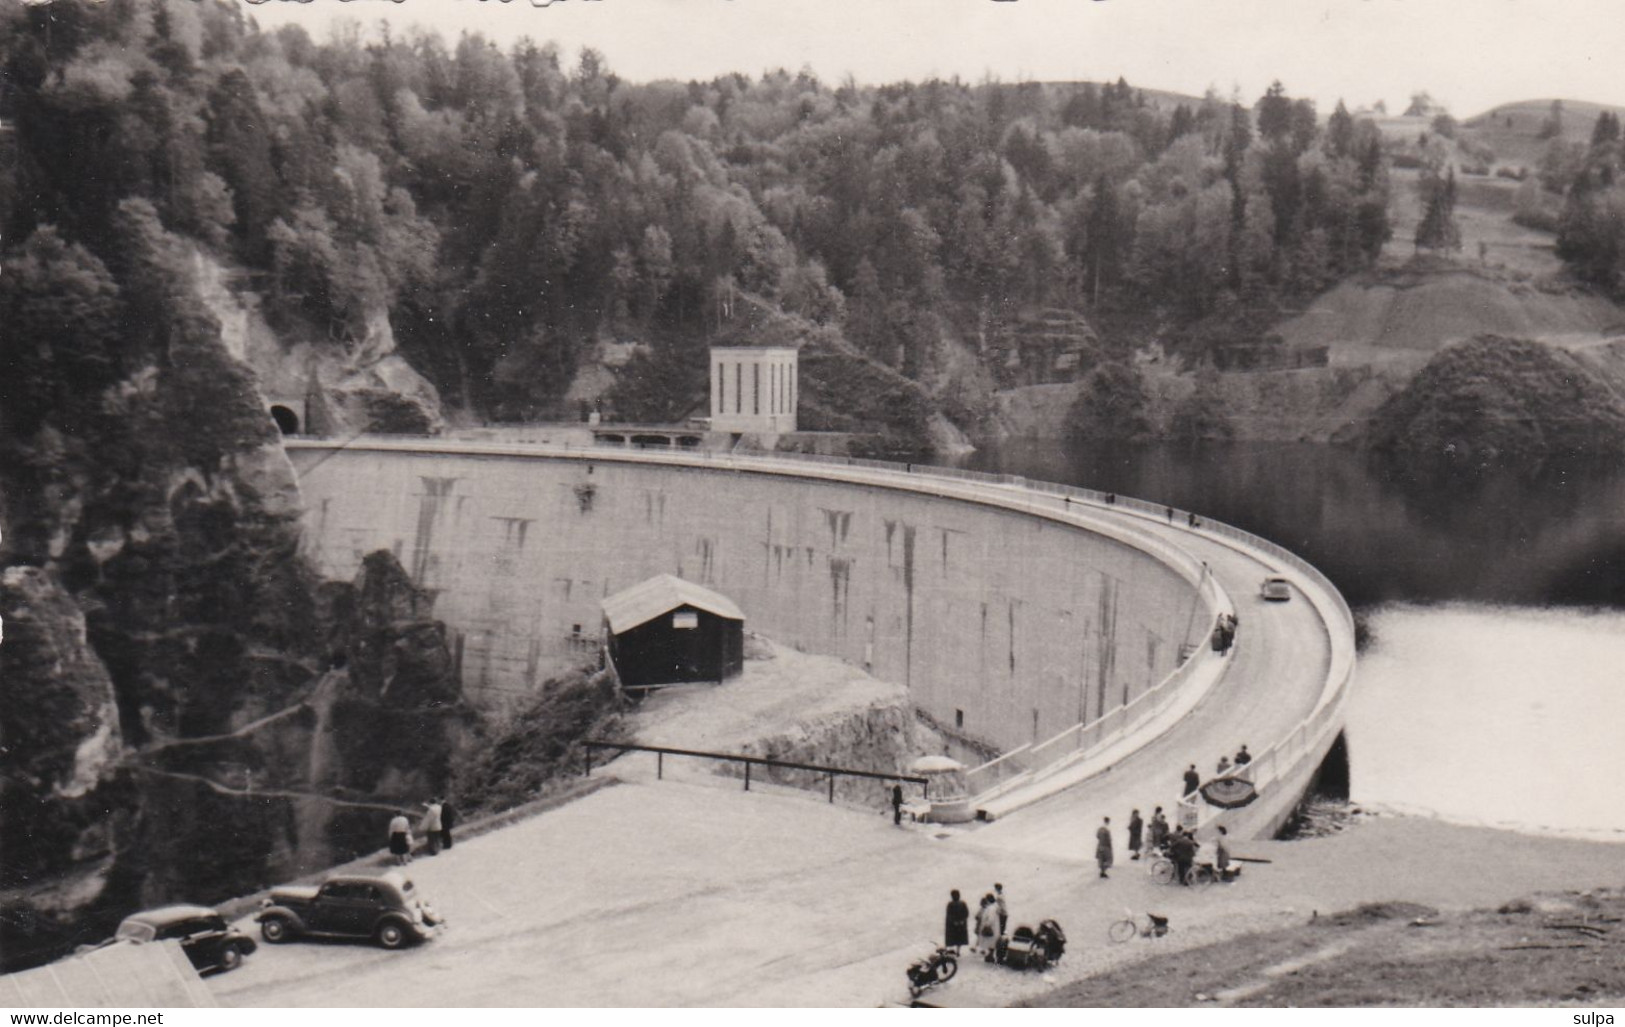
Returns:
point(61, 729)
point(327, 386)
point(394, 716)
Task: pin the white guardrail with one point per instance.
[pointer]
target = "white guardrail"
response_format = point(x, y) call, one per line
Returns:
point(1028, 761)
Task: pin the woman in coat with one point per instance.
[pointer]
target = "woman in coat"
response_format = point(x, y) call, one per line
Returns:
point(1103, 846)
point(956, 933)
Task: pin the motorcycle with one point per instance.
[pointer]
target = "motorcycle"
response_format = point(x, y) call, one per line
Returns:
point(1029, 948)
point(935, 968)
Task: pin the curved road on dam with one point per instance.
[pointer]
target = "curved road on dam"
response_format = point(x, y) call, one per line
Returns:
point(1272, 681)
point(689, 891)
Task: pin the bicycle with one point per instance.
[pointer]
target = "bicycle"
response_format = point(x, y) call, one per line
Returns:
point(1162, 870)
point(1153, 926)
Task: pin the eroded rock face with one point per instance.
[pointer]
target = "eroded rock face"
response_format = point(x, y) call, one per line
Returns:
point(396, 719)
point(883, 737)
point(64, 803)
point(61, 731)
point(332, 387)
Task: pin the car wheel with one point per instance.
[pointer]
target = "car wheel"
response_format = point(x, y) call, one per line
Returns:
point(391, 935)
point(231, 957)
point(275, 930)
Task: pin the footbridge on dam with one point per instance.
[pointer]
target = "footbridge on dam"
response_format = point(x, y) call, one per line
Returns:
point(1061, 630)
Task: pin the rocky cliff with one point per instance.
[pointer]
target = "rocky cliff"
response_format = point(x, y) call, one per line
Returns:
point(169, 666)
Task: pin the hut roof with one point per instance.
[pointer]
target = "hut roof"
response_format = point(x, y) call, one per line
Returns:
point(649, 599)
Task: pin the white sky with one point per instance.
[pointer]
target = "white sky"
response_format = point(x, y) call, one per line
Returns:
point(1469, 54)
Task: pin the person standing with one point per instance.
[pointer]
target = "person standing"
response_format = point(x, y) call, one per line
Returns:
point(897, 805)
point(448, 819)
point(1135, 826)
point(1103, 846)
point(1224, 765)
point(987, 925)
point(1004, 911)
point(955, 933)
point(1182, 848)
point(1159, 830)
point(1221, 852)
point(400, 838)
point(1243, 757)
point(432, 825)
point(1193, 780)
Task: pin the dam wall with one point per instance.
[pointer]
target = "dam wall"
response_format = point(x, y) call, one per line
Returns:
point(1005, 624)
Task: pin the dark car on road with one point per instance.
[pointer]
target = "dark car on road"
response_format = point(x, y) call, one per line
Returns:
point(384, 907)
point(208, 941)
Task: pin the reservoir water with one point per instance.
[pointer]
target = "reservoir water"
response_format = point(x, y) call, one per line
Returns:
point(1494, 687)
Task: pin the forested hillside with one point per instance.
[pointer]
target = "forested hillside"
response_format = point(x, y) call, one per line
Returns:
point(511, 208)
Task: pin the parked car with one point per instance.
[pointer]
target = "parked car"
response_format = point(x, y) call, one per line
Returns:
point(384, 907)
point(1276, 589)
point(208, 941)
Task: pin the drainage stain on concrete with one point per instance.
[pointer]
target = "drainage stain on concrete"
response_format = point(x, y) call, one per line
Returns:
point(435, 490)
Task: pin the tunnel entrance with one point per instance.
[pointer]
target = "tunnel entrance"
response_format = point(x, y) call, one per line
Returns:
point(286, 420)
point(1325, 807)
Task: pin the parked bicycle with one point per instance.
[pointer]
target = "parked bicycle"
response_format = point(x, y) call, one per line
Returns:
point(1150, 926)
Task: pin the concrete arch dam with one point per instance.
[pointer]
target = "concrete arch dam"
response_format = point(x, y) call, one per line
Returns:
point(1043, 622)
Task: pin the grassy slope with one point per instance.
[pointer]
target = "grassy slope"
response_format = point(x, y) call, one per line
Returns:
point(1519, 144)
point(1393, 954)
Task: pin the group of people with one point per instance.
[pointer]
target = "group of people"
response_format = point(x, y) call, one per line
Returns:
point(439, 816)
point(1226, 765)
point(1178, 843)
point(1137, 832)
point(991, 917)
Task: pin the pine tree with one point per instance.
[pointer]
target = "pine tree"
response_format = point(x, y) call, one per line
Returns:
point(1340, 132)
point(1275, 113)
point(1438, 230)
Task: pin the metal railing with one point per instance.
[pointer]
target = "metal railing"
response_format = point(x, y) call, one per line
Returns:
point(1001, 770)
point(661, 752)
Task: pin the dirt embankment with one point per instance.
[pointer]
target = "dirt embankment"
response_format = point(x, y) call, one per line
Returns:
point(799, 708)
point(1550, 949)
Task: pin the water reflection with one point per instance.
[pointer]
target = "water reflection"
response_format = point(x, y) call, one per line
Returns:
point(1530, 534)
point(1493, 715)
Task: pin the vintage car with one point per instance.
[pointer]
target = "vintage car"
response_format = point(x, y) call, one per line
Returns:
point(1276, 589)
point(385, 908)
point(208, 941)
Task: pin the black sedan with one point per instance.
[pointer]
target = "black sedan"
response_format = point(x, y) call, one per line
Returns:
point(208, 941)
point(385, 908)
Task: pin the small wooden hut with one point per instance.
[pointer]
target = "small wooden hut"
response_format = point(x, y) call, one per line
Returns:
point(667, 631)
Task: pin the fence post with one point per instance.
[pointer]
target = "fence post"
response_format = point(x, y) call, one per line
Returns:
point(832, 788)
point(747, 777)
point(588, 771)
point(660, 766)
